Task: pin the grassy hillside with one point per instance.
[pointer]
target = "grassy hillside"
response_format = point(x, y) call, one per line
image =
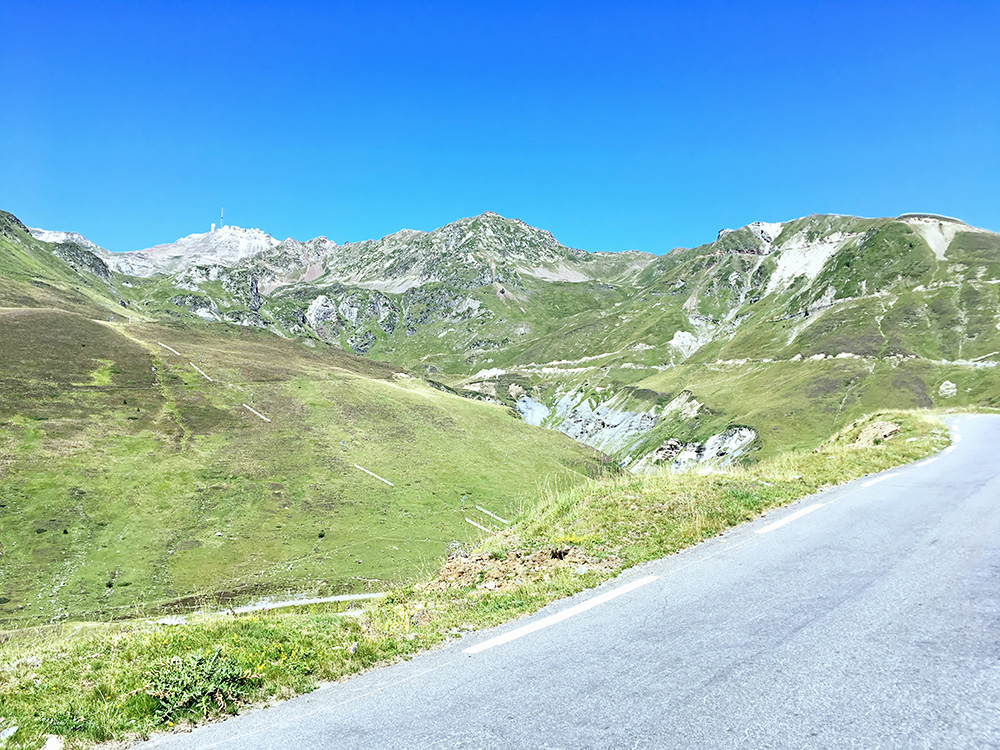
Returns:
point(37, 274)
point(128, 478)
point(789, 346)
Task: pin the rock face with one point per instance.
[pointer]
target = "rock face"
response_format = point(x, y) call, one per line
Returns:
point(357, 312)
point(79, 252)
point(719, 450)
point(322, 317)
point(605, 426)
point(11, 226)
point(615, 429)
point(82, 260)
point(203, 307)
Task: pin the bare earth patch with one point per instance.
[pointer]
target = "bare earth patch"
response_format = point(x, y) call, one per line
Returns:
point(493, 571)
point(875, 433)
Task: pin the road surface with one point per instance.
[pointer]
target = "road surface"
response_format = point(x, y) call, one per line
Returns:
point(864, 617)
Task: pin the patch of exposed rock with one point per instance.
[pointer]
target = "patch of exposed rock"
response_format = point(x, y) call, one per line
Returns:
point(203, 307)
point(356, 311)
point(82, 260)
point(719, 450)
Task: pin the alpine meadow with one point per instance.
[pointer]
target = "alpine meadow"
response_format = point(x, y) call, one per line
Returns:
point(461, 424)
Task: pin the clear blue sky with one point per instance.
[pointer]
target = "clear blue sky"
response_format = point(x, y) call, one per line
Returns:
point(613, 125)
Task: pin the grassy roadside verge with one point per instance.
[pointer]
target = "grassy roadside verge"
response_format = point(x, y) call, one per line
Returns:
point(95, 683)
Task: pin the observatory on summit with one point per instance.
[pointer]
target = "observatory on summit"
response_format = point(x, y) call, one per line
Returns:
point(222, 213)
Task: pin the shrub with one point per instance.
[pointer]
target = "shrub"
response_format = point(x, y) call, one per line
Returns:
point(198, 684)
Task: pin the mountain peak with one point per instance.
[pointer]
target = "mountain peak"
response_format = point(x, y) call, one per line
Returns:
point(225, 246)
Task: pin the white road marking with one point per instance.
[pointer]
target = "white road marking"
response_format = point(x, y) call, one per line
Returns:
point(372, 473)
point(168, 348)
point(201, 371)
point(882, 478)
point(956, 438)
point(478, 526)
point(949, 449)
point(928, 461)
point(788, 519)
point(551, 620)
point(492, 515)
point(256, 412)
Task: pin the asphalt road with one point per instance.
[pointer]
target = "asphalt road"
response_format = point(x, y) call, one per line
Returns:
point(870, 621)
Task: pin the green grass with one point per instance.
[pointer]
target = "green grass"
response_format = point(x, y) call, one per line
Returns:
point(131, 483)
point(92, 683)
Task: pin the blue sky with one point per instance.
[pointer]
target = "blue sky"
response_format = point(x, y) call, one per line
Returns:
point(613, 125)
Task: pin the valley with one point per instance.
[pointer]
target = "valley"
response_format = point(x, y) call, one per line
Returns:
point(630, 353)
point(231, 419)
point(231, 416)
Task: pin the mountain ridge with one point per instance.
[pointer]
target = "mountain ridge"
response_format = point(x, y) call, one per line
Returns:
point(501, 311)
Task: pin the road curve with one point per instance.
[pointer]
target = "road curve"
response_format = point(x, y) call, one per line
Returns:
point(870, 619)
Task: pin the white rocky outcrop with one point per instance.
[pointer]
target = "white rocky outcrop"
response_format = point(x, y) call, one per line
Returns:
point(46, 235)
point(605, 425)
point(532, 411)
point(800, 256)
point(224, 247)
point(719, 450)
point(766, 231)
point(686, 343)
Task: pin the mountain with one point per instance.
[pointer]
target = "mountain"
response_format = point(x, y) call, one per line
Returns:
point(134, 387)
point(59, 238)
point(470, 252)
point(153, 460)
point(655, 360)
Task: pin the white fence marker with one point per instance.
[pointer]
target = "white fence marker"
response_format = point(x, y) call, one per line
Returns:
point(168, 348)
point(201, 371)
point(372, 473)
point(478, 526)
point(492, 515)
point(257, 413)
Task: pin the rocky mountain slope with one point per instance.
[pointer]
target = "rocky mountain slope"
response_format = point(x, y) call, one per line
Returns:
point(161, 461)
point(770, 335)
point(206, 400)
